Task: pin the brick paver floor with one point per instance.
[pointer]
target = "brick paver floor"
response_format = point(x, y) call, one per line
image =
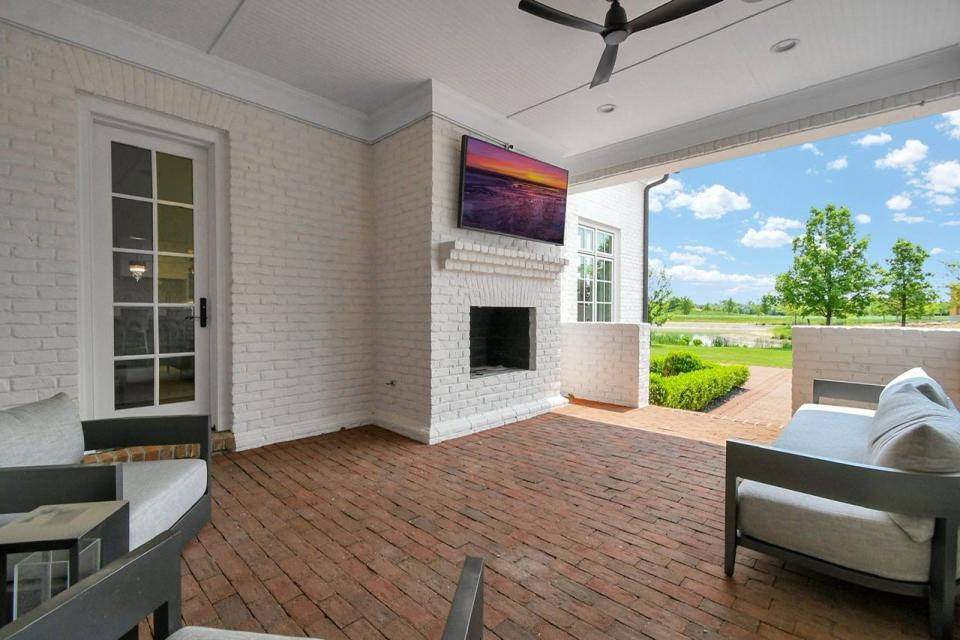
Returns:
point(765, 398)
point(588, 530)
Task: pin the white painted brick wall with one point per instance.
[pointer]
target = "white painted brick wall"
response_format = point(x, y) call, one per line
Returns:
point(619, 207)
point(872, 354)
point(459, 404)
point(302, 327)
point(606, 362)
point(402, 208)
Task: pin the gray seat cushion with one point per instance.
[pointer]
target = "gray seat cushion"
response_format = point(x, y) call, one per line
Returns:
point(841, 433)
point(847, 535)
point(205, 633)
point(41, 433)
point(160, 493)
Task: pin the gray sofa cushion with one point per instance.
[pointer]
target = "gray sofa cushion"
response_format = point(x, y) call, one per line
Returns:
point(841, 433)
point(41, 433)
point(911, 432)
point(918, 378)
point(205, 633)
point(160, 492)
point(847, 535)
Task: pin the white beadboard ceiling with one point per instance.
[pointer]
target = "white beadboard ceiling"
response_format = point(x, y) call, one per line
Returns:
point(365, 55)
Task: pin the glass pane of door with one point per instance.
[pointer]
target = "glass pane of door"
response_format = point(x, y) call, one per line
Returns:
point(154, 278)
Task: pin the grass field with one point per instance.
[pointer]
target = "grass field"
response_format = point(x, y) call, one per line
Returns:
point(742, 318)
point(782, 358)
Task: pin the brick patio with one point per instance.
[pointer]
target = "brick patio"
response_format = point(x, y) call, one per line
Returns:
point(589, 530)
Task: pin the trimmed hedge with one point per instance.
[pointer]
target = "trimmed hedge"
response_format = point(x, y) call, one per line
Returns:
point(685, 381)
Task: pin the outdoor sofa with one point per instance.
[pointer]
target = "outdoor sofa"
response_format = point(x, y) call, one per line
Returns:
point(111, 603)
point(868, 496)
point(40, 464)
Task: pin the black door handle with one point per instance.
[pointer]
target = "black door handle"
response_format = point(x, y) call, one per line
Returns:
point(203, 313)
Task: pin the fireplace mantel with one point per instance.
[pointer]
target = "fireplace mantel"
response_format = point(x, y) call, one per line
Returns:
point(473, 257)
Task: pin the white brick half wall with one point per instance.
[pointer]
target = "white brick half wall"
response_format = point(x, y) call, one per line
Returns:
point(606, 361)
point(872, 354)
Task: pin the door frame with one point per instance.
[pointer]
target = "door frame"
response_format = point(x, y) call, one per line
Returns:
point(93, 111)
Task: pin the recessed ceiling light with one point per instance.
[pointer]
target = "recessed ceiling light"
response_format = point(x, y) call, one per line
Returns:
point(606, 108)
point(784, 45)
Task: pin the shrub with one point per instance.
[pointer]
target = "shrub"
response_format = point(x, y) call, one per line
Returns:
point(697, 342)
point(656, 366)
point(658, 393)
point(678, 362)
point(720, 341)
point(694, 390)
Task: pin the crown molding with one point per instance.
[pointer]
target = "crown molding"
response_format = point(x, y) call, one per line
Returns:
point(82, 26)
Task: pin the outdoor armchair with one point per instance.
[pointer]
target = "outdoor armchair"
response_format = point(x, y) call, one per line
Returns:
point(813, 498)
point(111, 603)
point(40, 463)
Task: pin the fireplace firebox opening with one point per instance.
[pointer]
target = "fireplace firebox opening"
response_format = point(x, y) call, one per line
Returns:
point(502, 339)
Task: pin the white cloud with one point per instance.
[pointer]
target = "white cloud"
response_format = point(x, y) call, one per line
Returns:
point(951, 124)
point(942, 177)
point(765, 238)
point(908, 219)
point(863, 218)
point(706, 251)
point(906, 157)
point(812, 148)
point(772, 234)
point(837, 164)
point(738, 281)
point(936, 251)
point(952, 223)
point(873, 139)
point(657, 249)
point(941, 199)
point(711, 202)
point(687, 258)
point(899, 202)
point(660, 193)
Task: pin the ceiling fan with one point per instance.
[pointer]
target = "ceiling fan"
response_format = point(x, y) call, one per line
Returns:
point(616, 28)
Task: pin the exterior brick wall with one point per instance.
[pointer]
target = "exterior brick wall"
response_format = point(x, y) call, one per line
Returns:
point(619, 207)
point(606, 361)
point(300, 242)
point(872, 354)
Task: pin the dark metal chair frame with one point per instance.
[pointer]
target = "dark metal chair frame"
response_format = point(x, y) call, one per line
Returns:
point(23, 489)
point(111, 603)
point(927, 495)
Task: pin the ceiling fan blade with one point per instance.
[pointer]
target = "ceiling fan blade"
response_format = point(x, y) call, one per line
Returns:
point(554, 15)
point(668, 12)
point(605, 68)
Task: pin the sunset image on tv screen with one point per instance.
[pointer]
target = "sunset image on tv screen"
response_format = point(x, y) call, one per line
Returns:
point(505, 192)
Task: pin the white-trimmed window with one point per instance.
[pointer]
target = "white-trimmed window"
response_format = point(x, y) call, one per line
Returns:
point(595, 272)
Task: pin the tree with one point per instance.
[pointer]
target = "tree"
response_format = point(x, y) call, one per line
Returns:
point(768, 304)
point(729, 306)
point(683, 304)
point(907, 289)
point(830, 275)
point(660, 294)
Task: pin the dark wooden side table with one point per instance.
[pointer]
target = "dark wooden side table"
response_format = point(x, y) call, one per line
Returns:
point(64, 527)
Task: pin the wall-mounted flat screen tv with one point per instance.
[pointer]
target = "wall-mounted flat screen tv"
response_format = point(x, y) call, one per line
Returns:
point(505, 192)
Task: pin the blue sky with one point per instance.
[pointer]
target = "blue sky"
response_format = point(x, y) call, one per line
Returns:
point(725, 229)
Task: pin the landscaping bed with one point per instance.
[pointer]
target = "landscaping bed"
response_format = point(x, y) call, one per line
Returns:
point(683, 380)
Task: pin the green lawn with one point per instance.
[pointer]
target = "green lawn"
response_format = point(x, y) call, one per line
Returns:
point(742, 318)
point(782, 358)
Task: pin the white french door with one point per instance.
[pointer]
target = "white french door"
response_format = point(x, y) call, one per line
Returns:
point(150, 284)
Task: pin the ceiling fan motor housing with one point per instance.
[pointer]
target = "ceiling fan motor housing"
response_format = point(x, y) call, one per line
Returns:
point(615, 24)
